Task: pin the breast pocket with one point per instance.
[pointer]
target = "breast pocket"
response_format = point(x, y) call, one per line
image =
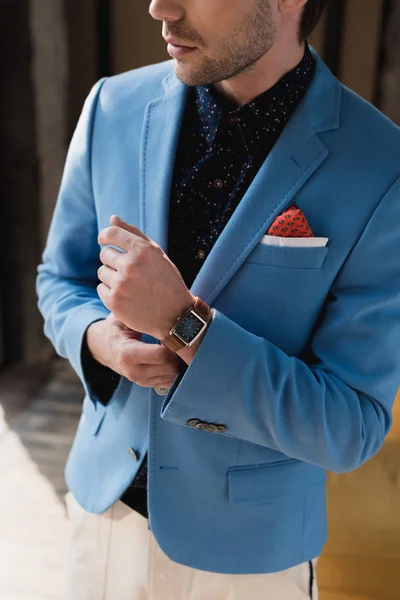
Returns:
point(295, 281)
point(290, 257)
point(277, 293)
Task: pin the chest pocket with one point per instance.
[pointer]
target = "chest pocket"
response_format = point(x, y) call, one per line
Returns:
point(275, 287)
point(289, 257)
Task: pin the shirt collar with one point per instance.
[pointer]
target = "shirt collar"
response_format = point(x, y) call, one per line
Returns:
point(264, 116)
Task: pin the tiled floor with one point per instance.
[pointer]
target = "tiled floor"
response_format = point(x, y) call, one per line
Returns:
point(33, 525)
point(361, 560)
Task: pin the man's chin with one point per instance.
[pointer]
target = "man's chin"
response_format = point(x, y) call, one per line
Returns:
point(184, 74)
point(189, 75)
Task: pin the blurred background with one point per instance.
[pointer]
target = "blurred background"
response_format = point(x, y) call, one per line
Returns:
point(51, 53)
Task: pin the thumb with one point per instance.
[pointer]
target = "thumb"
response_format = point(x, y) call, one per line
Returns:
point(116, 221)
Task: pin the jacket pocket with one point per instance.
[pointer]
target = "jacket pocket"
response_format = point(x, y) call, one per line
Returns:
point(290, 257)
point(266, 482)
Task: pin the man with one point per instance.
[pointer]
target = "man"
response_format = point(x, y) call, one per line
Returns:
point(222, 273)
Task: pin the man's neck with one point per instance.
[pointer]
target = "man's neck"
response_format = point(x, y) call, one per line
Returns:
point(262, 76)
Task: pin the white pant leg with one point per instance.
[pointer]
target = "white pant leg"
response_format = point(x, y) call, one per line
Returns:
point(87, 552)
point(114, 556)
point(171, 581)
point(107, 558)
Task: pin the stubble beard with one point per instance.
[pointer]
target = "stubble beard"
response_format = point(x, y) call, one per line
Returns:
point(255, 35)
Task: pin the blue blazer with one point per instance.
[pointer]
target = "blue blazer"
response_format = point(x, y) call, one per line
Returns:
point(301, 362)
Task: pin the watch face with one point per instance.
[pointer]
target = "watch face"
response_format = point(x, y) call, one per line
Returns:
point(189, 328)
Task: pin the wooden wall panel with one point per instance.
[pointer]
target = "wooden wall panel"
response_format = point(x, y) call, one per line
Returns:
point(390, 76)
point(317, 38)
point(137, 39)
point(82, 54)
point(361, 46)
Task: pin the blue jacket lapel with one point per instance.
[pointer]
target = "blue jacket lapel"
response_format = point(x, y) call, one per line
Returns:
point(295, 157)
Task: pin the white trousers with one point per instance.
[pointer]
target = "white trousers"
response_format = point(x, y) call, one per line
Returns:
point(114, 556)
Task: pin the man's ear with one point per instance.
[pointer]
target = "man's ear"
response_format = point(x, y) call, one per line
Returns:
point(291, 5)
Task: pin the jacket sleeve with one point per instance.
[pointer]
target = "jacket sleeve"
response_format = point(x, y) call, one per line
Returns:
point(66, 284)
point(333, 411)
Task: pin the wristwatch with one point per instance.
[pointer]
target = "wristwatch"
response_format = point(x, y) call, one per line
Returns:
point(188, 327)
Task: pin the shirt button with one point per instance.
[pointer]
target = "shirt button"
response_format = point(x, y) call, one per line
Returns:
point(232, 119)
point(201, 254)
point(161, 391)
point(218, 183)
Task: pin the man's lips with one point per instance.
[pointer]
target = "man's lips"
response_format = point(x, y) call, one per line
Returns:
point(176, 49)
point(179, 51)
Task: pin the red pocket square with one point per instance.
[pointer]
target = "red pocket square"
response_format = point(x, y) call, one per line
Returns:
point(291, 223)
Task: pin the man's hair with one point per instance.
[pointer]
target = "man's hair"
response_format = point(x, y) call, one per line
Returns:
point(311, 15)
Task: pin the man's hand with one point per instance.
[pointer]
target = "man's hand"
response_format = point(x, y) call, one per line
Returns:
point(140, 286)
point(116, 346)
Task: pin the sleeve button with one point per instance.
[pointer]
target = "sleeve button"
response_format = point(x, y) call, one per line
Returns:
point(202, 426)
point(212, 428)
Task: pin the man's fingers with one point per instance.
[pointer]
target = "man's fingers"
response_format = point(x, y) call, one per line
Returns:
point(117, 236)
point(151, 375)
point(155, 383)
point(160, 382)
point(107, 276)
point(152, 371)
point(118, 222)
point(111, 257)
point(104, 294)
point(143, 353)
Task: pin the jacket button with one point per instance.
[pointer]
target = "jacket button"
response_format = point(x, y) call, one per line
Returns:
point(133, 454)
point(161, 391)
point(212, 428)
point(193, 422)
point(202, 426)
point(221, 428)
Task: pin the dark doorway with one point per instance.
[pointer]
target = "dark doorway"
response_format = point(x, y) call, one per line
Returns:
point(19, 185)
point(89, 50)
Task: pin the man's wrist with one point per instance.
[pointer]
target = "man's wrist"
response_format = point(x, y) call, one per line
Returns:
point(101, 379)
point(186, 307)
point(95, 340)
point(187, 354)
point(185, 331)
